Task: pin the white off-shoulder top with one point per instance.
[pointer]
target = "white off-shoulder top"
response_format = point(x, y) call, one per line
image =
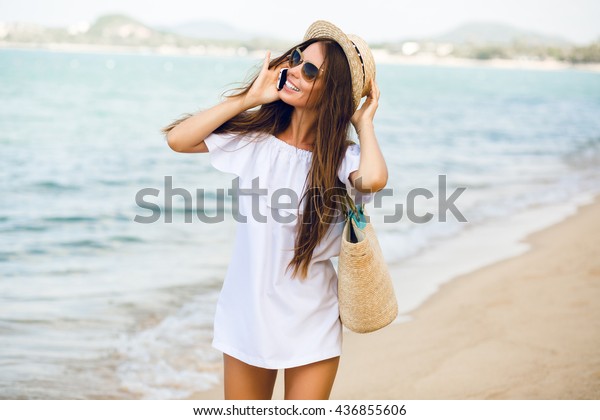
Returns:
point(264, 316)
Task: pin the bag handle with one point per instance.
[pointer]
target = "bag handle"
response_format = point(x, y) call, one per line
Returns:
point(355, 212)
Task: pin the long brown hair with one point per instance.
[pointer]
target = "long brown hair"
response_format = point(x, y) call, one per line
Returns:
point(324, 189)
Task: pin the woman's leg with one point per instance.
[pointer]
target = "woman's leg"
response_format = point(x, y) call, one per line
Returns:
point(246, 382)
point(311, 382)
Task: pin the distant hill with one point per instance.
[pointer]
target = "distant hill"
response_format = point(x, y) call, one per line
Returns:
point(479, 33)
point(123, 30)
point(119, 29)
point(111, 30)
point(476, 40)
point(208, 29)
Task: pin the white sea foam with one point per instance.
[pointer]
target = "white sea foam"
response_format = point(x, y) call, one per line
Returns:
point(172, 359)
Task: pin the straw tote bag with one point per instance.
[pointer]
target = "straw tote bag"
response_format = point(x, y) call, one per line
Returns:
point(366, 296)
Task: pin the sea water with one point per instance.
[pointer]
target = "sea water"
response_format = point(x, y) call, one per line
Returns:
point(96, 305)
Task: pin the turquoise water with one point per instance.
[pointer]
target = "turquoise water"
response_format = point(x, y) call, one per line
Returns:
point(93, 304)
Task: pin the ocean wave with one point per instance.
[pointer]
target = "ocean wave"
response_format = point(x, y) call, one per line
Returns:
point(56, 186)
point(85, 243)
point(70, 219)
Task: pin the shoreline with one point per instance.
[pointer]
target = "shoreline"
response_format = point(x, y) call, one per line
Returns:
point(524, 327)
point(381, 56)
point(444, 260)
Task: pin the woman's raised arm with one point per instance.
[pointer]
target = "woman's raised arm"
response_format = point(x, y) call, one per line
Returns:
point(188, 134)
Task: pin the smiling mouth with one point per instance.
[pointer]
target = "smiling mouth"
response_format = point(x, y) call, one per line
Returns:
point(291, 86)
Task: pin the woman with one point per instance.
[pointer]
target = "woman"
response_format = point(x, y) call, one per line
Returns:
point(278, 307)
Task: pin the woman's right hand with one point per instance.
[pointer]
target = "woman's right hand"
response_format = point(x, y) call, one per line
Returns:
point(264, 89)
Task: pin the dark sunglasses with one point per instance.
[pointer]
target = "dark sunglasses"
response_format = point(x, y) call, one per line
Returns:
point(309, 70)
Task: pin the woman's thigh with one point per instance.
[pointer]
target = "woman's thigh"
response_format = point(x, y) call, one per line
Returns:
point(246, 382)
point(311, 382)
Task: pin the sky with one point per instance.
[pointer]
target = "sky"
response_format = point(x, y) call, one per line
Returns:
point(374, 20)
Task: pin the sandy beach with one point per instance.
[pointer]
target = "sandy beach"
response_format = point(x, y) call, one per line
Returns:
point(523, 328)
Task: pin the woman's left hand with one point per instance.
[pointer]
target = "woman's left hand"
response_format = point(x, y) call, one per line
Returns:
point(366, 113)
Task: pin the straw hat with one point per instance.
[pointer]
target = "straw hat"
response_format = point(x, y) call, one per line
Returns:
point(358, 53)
